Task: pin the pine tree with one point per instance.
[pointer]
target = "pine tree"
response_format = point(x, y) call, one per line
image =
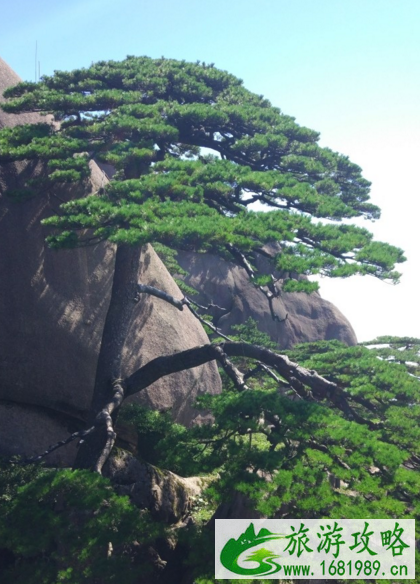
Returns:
point(193, 150)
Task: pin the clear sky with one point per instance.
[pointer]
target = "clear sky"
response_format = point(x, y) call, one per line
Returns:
point(347, 68)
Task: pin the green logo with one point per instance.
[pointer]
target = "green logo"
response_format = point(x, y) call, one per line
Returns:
point(265, 558)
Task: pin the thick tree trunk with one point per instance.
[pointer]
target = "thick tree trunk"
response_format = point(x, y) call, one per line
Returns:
point(108, 390)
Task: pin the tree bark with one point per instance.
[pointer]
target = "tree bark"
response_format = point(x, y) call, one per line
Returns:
point(108, 392)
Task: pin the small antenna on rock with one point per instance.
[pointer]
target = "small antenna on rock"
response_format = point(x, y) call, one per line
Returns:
point(36, 57)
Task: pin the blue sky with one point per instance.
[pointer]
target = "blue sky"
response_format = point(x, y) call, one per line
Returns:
point(349, 69)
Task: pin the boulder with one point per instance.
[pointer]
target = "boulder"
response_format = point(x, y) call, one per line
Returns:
point(52, 311)
point(300, 317)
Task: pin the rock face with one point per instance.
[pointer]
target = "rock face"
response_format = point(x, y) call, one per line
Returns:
point(301, 317)
point(167, 496)
point(52, 310)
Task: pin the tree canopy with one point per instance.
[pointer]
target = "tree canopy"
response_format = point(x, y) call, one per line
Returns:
point(193, 150)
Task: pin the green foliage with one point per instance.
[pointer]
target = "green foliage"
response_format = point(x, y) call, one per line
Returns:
point(157, 434)
point(383, 375)
point(70, 526)
point(151, 119)
point(280, 451)
point(289, 457)
point(299, 459)
point(267, 433)
point(302, 459)
point(13, 476)
point(249, 332)
point(402, 350)
point(152, 427)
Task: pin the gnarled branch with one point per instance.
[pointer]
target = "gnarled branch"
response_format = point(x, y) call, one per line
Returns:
point(306, 383)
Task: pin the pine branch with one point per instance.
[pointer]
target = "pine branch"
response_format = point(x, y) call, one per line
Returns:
point(208, 308)
point(322, 448)
point(82, 434)
point(242, 260)
point(234, 373)
point(144, 289)
point(188, 302)
point(262, 367)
